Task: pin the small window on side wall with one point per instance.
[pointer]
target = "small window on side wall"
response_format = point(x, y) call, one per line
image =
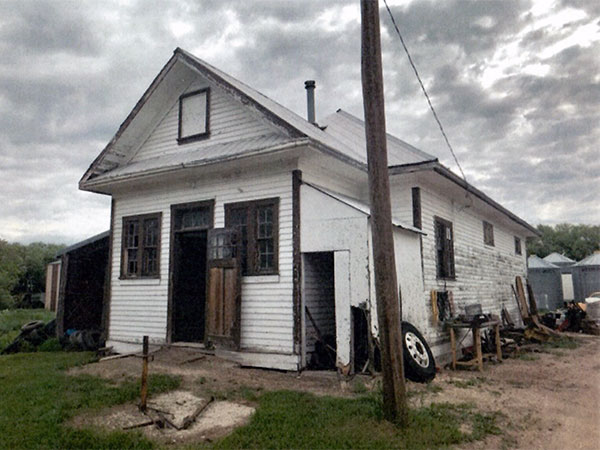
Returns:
point(193, 116)
point(518, 250)
point(140, 252)
point(488, 233)
point(444, 245)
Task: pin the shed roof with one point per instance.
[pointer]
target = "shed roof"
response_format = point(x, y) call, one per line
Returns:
point(592, 260)
point(557, 258)
point(83, 243)
point(535, 262)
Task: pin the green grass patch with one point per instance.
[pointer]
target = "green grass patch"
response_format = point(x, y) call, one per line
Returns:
point(528, 357)
point(11, 321)
point(287, 419)
point(564, 342)
point(472, 382)
point(38, 397)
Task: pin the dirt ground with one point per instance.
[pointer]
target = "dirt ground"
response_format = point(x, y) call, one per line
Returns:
point(547, 400)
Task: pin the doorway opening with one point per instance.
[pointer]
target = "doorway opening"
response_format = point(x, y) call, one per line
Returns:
point(189, 230)
point(319, 310)
point(189, 286)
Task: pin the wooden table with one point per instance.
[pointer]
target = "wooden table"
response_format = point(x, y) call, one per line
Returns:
point(476, 330)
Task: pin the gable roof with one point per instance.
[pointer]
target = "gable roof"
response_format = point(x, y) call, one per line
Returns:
point(342, 136)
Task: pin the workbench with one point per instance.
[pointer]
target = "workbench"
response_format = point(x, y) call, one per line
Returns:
point(476, 330)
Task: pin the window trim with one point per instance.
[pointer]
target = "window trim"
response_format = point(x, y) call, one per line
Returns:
point(518, 246)
point(251, 207)
point(488, 234)
point(140, 218)
point(198, 136)
point(438, 263)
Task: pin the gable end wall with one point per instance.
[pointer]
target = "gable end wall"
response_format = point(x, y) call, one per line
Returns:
point(139, 307)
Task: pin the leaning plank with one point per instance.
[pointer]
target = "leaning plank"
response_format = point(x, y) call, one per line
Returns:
point(119, 356)
point(187, 421)
point(521, 299)
point(139, 425)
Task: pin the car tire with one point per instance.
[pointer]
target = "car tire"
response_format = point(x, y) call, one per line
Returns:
point(30, 326)
point(419, 364)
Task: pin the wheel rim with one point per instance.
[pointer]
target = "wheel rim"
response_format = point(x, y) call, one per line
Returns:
point(416, 349)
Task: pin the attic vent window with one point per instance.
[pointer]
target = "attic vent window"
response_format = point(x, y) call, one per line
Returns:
point(193, 116)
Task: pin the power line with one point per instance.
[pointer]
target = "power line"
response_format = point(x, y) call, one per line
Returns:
point(412, 64)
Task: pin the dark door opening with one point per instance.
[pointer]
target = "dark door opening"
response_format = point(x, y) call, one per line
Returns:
point(319, 310)
point(189, 286)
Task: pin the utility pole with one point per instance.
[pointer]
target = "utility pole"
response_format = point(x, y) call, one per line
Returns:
point(389, 309)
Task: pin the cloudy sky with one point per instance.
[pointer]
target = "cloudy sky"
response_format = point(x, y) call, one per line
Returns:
point(515, 83)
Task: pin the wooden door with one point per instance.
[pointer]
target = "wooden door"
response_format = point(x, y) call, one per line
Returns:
point(223, 305)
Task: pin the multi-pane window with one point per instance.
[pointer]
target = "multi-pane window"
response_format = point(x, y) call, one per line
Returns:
point(518, 250)
point(488, 233)
point(444, 243)
point(141, 243)
point(257, 225)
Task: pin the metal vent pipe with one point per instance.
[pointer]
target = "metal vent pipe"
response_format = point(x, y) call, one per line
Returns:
point(310, 100)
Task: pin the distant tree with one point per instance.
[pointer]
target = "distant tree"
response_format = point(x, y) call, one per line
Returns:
point(23, 269)
point(573, 241)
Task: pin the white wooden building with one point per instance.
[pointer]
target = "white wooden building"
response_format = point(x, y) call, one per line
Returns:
point(232, 216)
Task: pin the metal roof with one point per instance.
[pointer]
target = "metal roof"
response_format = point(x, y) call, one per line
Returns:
point(535, 262)
point(350, 131)
point(555, 258)
point(203, 155)
point(592, 260)
point(343, 137)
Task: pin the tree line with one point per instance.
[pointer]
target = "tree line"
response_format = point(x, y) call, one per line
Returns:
point(573, 241)
point(23, 270)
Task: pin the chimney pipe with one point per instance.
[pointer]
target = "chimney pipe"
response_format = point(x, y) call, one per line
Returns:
point(310, 100)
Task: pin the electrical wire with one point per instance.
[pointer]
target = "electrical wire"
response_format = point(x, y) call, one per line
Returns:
point(412, 64)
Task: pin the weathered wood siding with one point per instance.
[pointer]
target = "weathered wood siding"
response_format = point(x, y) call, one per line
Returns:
point(229, 121)
point(484, 274)
point(139, 307)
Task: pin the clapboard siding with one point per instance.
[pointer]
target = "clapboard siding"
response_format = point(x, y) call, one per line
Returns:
point(484, 274)
point(229, 121)
point(139, 307)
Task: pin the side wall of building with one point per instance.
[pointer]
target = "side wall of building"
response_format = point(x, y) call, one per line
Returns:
point(484, 273)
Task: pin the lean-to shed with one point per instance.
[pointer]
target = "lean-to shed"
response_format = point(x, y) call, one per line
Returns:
point(80, 301)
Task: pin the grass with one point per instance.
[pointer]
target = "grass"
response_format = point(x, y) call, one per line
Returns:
point(289, 419)
point(472, 382)
point(564, 342)
point(528, 357)
point(11, 321)
point(38, 397)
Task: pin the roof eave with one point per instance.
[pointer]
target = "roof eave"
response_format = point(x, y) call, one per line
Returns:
point(440, 169)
